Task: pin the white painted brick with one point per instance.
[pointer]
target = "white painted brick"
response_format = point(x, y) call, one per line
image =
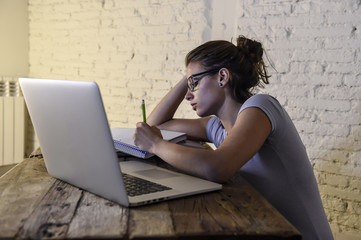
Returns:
point(298, 67)
point(297, 44)
point(135, 49)
point(351, 220)
point(336, 191)
point(321, 55)
point(321, 104)
point(356, 108)
point(352, 80)
point(323, 129)
point(354, 184)
point(333, 180)
point(341, 68)
point(348, 118)
point(355, 207)
point(341, 92)
point(342, 18)
point(320, 32)
point(334, 203)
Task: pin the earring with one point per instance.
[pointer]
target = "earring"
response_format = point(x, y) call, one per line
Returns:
point(220, 84)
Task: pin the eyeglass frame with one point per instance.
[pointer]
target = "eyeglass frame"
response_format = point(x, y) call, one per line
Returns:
point(192, 83)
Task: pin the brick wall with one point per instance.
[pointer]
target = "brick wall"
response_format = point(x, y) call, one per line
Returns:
point(135, 49)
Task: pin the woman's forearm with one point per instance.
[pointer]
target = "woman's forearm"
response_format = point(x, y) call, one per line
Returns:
point(167, 107)
point(203, 163)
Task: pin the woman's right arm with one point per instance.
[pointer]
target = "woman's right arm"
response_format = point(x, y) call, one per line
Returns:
point(167, 107)
point(163, 113)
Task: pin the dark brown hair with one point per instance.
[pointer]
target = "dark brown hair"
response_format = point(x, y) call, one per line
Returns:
point(244, 62)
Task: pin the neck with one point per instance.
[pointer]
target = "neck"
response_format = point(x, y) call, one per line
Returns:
point(228, 114)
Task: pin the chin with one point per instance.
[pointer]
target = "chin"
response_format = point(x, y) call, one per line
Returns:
point(202, 114)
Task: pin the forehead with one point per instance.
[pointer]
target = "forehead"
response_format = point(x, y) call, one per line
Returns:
point(194, 68)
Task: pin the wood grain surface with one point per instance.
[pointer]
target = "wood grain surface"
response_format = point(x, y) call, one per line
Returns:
point(35, 205)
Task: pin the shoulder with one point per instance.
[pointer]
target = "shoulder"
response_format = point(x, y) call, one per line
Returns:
point(260, 100)
point(267, 104)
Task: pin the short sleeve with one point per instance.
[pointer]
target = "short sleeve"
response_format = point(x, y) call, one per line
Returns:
point(269, 105)
point(215, 131)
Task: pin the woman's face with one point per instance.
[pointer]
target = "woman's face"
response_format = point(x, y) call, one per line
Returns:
point(207, 97)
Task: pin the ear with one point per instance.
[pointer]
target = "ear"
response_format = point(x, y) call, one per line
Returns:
point(224, 76)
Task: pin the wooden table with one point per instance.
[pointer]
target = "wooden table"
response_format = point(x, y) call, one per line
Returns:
point(34, 205)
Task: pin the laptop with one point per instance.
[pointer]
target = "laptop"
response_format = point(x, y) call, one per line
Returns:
point(77, 145)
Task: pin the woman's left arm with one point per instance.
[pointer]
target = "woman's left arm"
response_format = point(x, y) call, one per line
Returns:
point(247, 136)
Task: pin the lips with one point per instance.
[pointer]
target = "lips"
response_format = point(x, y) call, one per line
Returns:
point(194, 106)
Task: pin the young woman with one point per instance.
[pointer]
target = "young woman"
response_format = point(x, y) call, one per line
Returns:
point(252, 132)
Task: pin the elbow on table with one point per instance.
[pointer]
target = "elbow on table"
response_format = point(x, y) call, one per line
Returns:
point(220, 167)
point(217, 174)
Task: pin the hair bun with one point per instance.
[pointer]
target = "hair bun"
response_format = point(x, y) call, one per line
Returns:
point(251, 49)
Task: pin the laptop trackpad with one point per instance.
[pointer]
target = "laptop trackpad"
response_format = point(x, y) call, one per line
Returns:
point(156, 174)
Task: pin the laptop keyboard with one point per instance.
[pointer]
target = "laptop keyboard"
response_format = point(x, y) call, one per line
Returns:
point(136, 186)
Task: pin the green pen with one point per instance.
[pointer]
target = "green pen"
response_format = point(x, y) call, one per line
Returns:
point(143, 111)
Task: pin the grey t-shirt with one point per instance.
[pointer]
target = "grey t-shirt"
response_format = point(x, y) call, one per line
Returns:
point(281, 170)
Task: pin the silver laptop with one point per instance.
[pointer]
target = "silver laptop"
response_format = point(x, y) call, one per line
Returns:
point(76, 142)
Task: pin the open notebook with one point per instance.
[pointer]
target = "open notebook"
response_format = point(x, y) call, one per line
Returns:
point(123, 141)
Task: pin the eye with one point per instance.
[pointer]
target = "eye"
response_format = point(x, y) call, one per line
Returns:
point(195, 82)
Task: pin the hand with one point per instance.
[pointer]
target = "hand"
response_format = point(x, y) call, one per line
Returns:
point(146, 137)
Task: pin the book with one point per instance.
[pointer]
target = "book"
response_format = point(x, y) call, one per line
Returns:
point(123, 141)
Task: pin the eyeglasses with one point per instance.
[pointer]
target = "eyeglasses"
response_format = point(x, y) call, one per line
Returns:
point(193, 80)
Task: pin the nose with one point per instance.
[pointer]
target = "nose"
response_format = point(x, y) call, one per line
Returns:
point(189, 95)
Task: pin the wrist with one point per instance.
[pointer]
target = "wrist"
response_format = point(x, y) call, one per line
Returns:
point(156, 146)
point(183, 85)
point(183, 81)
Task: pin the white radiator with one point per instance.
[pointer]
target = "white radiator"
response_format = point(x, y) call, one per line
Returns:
point(12, 123)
